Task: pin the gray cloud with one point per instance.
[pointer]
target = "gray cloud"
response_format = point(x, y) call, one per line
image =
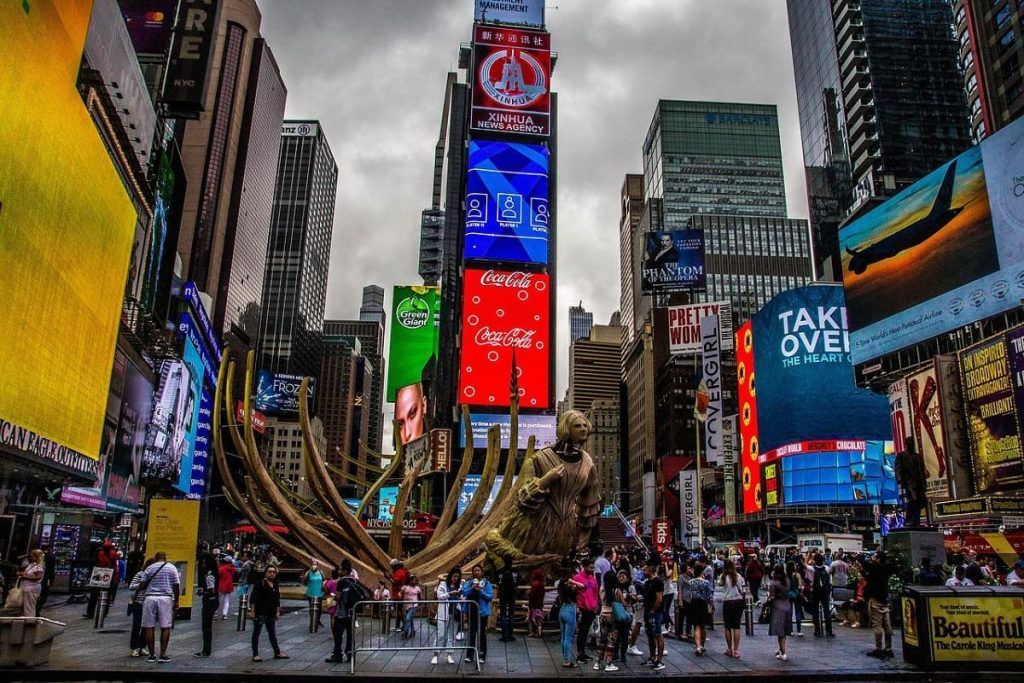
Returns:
point(373, 72)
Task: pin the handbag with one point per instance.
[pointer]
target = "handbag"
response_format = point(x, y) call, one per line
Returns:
point(619, 613)
point(765, 617)
point(15, 600)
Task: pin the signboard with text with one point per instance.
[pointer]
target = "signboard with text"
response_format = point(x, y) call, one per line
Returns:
point(512, 81)
point(684, 326)
point(510, 12)
point(711, 364)
point(191, 58)
point(674, 262)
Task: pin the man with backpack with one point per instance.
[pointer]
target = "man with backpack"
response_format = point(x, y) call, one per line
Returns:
point(821, 598)
point(346, 595)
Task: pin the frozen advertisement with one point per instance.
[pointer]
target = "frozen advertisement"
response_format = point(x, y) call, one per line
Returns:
point(469, 489)
point(674, 262)
point(123, 487)
point(926, 419)
point(510, 12)
point(750, 472)
point(505, 321)
point(805, 384)
point(278, 393)
point(945, 252)
point(512, 81)
point(542, 427)
point(416, 317)
point(991, 417)
point(684, 326)
point(149, 23)
point(507, 202)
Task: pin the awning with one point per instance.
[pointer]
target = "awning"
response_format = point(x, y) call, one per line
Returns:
point(250, 529)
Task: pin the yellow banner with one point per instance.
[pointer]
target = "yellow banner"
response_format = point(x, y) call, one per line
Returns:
point(174, 529)
point(973, 628)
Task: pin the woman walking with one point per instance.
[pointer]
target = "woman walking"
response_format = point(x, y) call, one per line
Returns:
point(225, 584)
point(794, 574)
point(31, 582)
point(567, 590)
point(411, 595)
point(447, 593)
point(781, 624)
point(702, 596)
point(611, 596)
point(265, 601)
point(208, 586)
point(733, 604)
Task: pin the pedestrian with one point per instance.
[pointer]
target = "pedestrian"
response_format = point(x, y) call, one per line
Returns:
point(567, 591)
point(535, 604)
point(781, 625)
point(137, 639)
point(106, 558)
point(399, 576)
point(208, 587)
point(507, 590)
point(959, 578)
point(821, 598)
point(382, 594)
point(345, 594)
point(702, 592)
point(839, 571)
point(245, 576)
point(225, 584)
point(161, 585)
point(478, 590)
point(668, 605)
point(611, 603)
point(603, 563)
point(1016, 577)
point(684, 627)
point(734, 603)
point(794, 574)
point(265, 603)
point(755, 574)
point(31, 582)
point(49, 573)
point(654, 591)
point(411, 595)
point(629, 603)
point(313, 580)
point(587, 602)
point(878, 571)
point(447, 593)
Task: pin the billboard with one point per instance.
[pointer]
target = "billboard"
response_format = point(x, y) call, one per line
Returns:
point(899, 414)
point(507, 202)
point(123, 487)
point(191, 57)
point(277, 393)
point(469, 489)
point(673, 261)
point(750, 472)
point(841, 472)
point(511, 12)
point(416, 316)
point(167, 443)
point(689, 523)
point(926, 427)
point(540, 426)
point(684, 326)
point(945, 252)
point(149, 23)
point(505, 316)
point(711, 368)
point(511, 81)
point(174, 529)
point(991, 417)
point(201, 450)
point(387, 496)
point(805, 382)
point(65, 240)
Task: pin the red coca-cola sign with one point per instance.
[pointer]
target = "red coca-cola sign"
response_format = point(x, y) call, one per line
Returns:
point(505, 312)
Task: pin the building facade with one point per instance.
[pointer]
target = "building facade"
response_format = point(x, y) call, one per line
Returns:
point(431, 237)
point(282, 453)
point(345, 376)
point(295, 289)
point(594, 363)
point(372, 307)
point(580, 323)
point(631, 206)
point(370, 334)
point(605, 445)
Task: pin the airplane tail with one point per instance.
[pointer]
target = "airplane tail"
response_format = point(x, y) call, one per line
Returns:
point(944, 197)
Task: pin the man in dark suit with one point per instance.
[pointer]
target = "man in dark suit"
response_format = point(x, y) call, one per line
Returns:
point(663, 252)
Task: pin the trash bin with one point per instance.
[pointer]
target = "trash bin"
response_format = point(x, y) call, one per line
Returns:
point(26, 641)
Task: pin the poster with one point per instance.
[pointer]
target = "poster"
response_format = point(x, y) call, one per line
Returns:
point(684, 326)
point(123, 489)
point(174, 529)
point(974, 628)
point(387, 496)
point(899, 413)
point(689, 523)
point(711, 365)
point(673, 261)
point(991, 417)
point(929, 437)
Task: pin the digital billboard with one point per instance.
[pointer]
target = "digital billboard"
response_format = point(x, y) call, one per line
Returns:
point(684, 326)
point(512, 81)
point(945, 252)
point(992, 416)
point(505, 314)
point(277, 393)
point(802, 357)
point(507, 202)
point(469, 489)
point(926, 415)
point(191, 57)
point(540, 426)
point(511, 12)
point(861, 475)
point(416, 316)
point(167, 438)
point(750, 471)
point(673, 261)
point(387, 496)
point(66, 232)
point(123, 488)
point(149, 23)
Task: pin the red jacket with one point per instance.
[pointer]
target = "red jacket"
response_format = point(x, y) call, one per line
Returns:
point(107, 557)
point(225, 578)
point(398, 579)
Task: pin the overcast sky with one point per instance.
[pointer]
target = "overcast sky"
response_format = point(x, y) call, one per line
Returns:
point(373, 72)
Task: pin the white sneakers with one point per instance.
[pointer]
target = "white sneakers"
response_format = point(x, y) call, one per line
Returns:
point(611, 667)
point(634, 650)
point(458, 635)
point(433, 661)
point(449, 659)
point(781, 656)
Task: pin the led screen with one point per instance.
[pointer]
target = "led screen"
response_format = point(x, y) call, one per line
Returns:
point(511, 88)
point(469, 489)
point(167, 439)
point(540, 426)
point(750, 472)
point(505, 313)
point(66, 232)
point(415, 316)
point(387, 496)
point(507, 202)
point(516, 12)
point(945, 252)
point(845, 477)
point(674, 261)
point(149, 23)
point(277, 393)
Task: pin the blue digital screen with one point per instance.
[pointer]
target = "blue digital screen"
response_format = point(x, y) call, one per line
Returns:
point(278, 393)
point(194, 363)
point(850, 477)
point(805, 383)
point(507, 210)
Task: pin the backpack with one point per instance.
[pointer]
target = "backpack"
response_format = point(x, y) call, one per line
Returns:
point(822, 581)
point(349, 593)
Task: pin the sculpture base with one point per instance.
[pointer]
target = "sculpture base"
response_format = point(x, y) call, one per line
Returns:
point(916, 544)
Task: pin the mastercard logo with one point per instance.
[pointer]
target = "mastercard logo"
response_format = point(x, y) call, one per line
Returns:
point(746, 478)
point(741, 372)
point(748, 339)
point(155, 16)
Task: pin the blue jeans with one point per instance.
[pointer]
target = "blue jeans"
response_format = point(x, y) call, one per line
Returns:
point(567, 622)
point(407, 629)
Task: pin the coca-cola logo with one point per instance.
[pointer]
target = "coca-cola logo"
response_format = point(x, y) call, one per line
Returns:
point(516, 338)
point(516, 279)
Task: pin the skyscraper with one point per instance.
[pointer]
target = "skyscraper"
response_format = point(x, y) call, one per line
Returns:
point(372, 307)
point(580, 323)
point(594, 367)
point(431, 234)
point(345, 374)
point(631, 205)
point(370, 334)
point(295, 291)
point(881, 103)
point(991, 38)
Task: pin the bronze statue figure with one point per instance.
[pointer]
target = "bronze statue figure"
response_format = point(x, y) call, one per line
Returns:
point(557, 503)
point(910, 475)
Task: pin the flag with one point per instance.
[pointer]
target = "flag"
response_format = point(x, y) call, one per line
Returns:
point(700, 405)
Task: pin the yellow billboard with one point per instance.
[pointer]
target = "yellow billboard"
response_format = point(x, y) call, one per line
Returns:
point(973, 628)
point(66, 231)
point(174, 529)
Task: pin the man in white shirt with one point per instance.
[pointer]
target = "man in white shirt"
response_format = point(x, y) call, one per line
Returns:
point(840, 571)
point(1016, 577)
point(958, 578)
point(162, 586)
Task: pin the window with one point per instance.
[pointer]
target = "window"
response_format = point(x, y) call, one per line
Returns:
point(1002, 16)
point(1007, 39)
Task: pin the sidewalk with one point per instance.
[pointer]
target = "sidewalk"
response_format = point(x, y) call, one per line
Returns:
point(85, 653)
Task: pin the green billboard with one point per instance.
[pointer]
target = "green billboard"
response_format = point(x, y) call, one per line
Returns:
point(415, 316)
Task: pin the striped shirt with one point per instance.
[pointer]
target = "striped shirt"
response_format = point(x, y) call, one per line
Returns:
point(163, 579)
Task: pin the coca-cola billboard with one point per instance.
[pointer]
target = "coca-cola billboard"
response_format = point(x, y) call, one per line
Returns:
point(505, 312)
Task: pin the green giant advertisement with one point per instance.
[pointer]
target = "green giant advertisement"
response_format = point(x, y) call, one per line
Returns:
point(415, 315)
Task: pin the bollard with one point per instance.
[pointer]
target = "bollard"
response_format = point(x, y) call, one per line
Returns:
point(102, 607)
point(748, 617)
point(315, 608)
point(243, 611)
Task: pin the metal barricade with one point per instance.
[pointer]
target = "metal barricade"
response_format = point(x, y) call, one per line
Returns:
point(415, 631)
point(243, 611)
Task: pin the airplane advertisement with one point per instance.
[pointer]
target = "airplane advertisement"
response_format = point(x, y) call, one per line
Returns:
point(944, 252)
